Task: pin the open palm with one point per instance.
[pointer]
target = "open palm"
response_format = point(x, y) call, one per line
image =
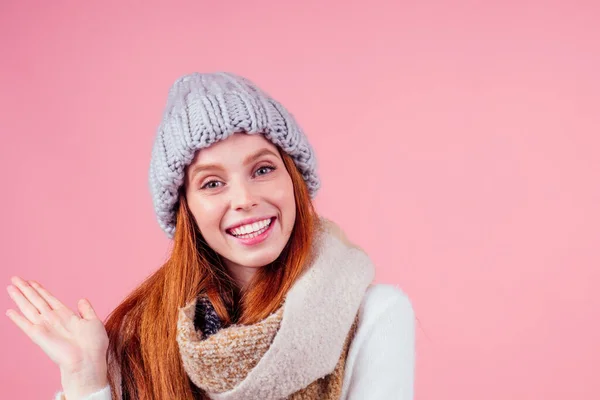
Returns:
point(73, 341)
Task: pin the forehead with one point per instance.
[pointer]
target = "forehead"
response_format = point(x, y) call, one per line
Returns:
point(232, 150)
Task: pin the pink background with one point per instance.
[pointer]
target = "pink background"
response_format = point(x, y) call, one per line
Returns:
point(457, 142)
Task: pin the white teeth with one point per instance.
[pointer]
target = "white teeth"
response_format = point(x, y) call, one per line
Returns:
point(253, 229)
point(253, 234)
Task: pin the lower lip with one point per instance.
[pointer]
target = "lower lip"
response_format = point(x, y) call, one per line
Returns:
point(256, 239)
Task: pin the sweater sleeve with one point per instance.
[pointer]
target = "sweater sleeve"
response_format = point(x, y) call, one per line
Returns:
point(102, 394)
point(384, 355)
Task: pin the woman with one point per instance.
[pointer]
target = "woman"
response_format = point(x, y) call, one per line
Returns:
point(260, 299)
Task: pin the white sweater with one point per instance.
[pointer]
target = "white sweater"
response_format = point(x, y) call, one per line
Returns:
point(381, 358)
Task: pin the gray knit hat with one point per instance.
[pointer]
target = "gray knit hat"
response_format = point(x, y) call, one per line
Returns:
point(203, 108)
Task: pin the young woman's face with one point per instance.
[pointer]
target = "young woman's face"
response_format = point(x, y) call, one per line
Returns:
point(242, 199)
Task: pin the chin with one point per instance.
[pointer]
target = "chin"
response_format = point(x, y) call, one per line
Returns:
point(258, 260)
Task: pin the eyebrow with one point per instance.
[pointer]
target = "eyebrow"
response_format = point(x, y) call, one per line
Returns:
point(251, 158)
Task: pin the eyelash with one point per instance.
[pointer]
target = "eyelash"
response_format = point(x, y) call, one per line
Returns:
point(271, 167)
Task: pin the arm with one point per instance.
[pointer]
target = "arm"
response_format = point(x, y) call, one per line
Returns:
point(384, 354)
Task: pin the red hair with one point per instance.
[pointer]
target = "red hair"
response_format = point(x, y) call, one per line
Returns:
point(142, 329)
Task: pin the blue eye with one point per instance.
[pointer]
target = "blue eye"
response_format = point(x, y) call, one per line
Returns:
point(206, 185)
point(265, 167)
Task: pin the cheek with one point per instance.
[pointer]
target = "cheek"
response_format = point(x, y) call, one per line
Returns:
point(207, 214)
point(283, 196)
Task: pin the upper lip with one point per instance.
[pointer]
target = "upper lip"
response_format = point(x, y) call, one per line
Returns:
point(247, 221)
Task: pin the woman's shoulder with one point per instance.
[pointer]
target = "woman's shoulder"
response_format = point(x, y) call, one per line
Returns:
point(385, 301)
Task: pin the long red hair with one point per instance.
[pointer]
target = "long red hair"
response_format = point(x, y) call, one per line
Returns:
point(143, 353)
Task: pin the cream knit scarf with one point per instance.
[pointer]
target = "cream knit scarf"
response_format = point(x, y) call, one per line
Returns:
point(297, 352)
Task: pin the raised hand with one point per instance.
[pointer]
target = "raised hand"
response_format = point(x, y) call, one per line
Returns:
point(76, 342)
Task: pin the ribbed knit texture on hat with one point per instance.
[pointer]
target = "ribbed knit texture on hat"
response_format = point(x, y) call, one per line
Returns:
point(203, 108)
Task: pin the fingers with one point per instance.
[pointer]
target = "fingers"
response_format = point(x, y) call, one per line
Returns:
point(37, 304)
point(35, 332)
point(21, 322)
point(31, 294)
point(26, 307)
point(51, 300)
point(86, 310)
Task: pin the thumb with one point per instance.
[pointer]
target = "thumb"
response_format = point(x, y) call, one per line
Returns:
point(86, 310)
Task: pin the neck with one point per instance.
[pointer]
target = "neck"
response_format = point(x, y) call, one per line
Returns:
point(241, 275)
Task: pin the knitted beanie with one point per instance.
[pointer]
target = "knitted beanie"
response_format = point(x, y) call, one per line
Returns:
point(203, 108)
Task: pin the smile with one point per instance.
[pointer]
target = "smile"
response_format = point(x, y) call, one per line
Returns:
point(250, 231)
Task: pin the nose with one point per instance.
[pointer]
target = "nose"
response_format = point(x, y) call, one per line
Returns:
point(242, 197)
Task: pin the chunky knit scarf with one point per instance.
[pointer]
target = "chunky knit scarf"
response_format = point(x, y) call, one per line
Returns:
point(297, 352)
